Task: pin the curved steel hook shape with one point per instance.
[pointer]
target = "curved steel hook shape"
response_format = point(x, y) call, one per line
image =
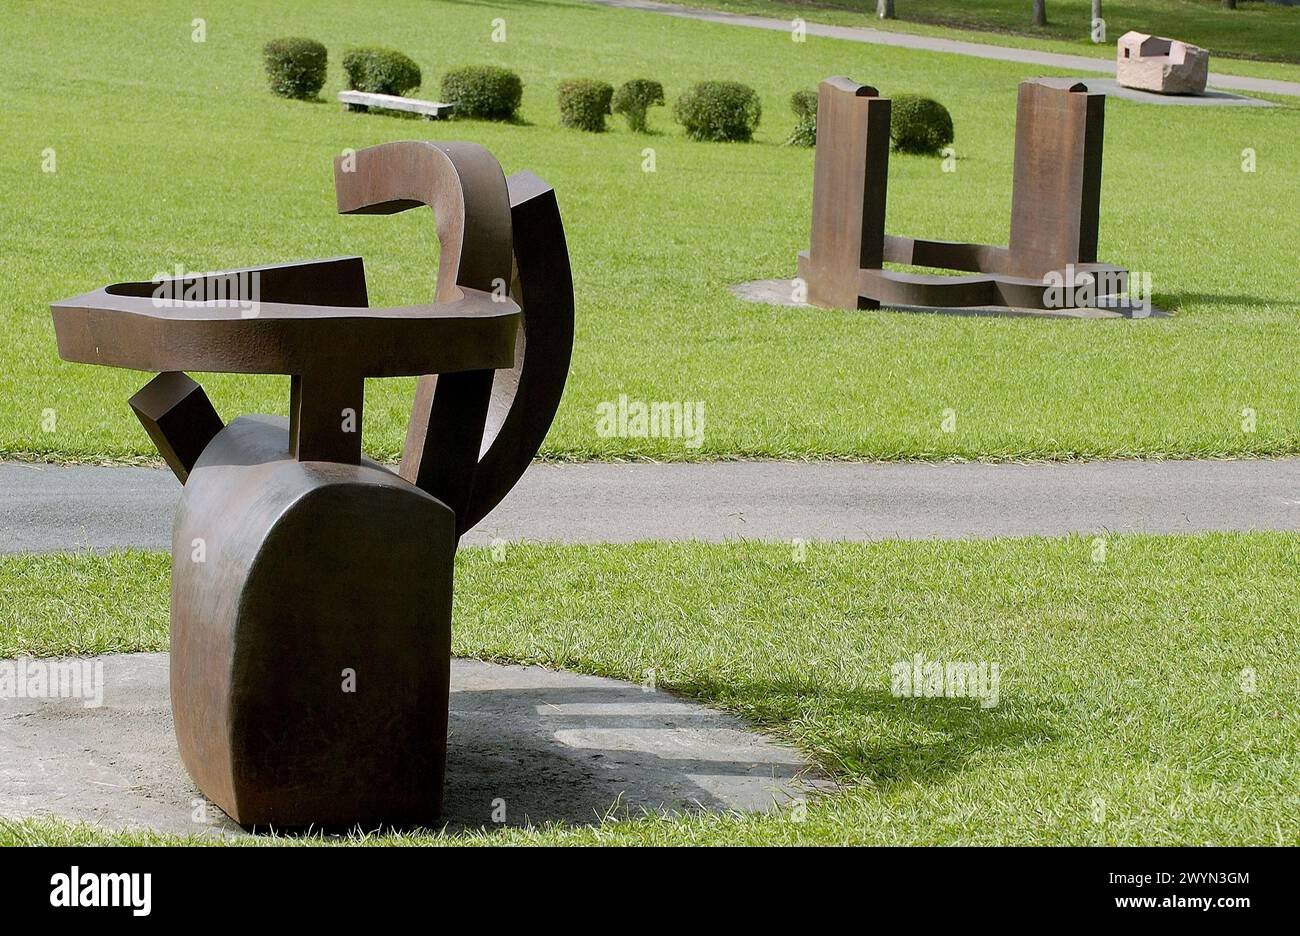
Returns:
point(526, 397)
point(461, 182)
point(472, 434)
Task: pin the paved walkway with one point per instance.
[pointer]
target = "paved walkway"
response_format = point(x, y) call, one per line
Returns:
point(935, 44)
point(45, 507)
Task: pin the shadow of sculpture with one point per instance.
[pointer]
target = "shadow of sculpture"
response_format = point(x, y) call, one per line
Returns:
point(903, 740)
point(528, 746)
point(575, 754)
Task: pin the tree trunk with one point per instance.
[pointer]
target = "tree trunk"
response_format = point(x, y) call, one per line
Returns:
point(1040, 12)
point(1230, 4)
point(885, 9)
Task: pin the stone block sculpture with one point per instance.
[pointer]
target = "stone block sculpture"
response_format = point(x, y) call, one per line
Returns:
point(1165, 66)
point(1056, 196)
point(311, 586)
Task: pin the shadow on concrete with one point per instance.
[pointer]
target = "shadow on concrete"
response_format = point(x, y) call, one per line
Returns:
point(527, 746)
point(601, 752)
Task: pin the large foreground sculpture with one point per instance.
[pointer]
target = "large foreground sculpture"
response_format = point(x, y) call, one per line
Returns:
point(1055, 202)
point(311, 587)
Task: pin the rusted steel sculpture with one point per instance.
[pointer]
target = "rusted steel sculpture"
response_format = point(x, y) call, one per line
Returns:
point(311, 587)
point(1054, 208)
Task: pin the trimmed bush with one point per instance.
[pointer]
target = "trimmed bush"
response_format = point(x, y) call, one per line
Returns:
point(804, 105)
point(719, 111)
point(483, 91)
point(295, 66)
point(919, 125)
point(584, 103)
point(380, 71)
point(634, 99)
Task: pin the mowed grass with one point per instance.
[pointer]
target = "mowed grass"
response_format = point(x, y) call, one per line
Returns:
point(1240, 41)
point(1150, 698)
point(170, 152)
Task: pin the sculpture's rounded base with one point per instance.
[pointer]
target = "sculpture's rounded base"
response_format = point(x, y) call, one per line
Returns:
point(311, 635)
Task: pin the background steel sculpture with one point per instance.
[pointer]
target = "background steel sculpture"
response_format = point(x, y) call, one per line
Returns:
point(311, 587)
point(1056, 196)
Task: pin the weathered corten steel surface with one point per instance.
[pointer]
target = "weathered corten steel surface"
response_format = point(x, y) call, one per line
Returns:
point(525, 397)
point(310, 636)
point(1056, 188)
point(328, 349)
point(179, 418)
point(848, 228)
point(1056, 196)
point(311, 587)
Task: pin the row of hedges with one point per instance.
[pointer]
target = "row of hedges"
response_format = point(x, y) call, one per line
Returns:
point(716, 111)
point(585, 102)
point(916, 124)
point(710, 110)
point(728, 110)
point(296, 68)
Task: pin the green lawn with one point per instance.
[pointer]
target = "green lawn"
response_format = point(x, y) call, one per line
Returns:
point(172, 152)
point(1255, 31)
point(1122, 682)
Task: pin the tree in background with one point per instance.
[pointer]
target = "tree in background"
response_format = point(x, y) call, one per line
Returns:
point(1040, 12)
point(885, 9)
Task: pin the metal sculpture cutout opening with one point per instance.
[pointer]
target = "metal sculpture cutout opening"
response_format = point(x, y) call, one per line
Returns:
point(1056, 195)
point(311, 587)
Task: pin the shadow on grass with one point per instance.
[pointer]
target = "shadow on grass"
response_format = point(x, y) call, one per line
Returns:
point(1181, 300)
point(872, 737)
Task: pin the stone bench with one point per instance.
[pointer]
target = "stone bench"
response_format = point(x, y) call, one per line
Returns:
point(434, 110)
point(1164, 66)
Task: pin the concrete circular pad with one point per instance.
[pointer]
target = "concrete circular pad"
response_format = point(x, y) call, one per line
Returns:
point(527, 745)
